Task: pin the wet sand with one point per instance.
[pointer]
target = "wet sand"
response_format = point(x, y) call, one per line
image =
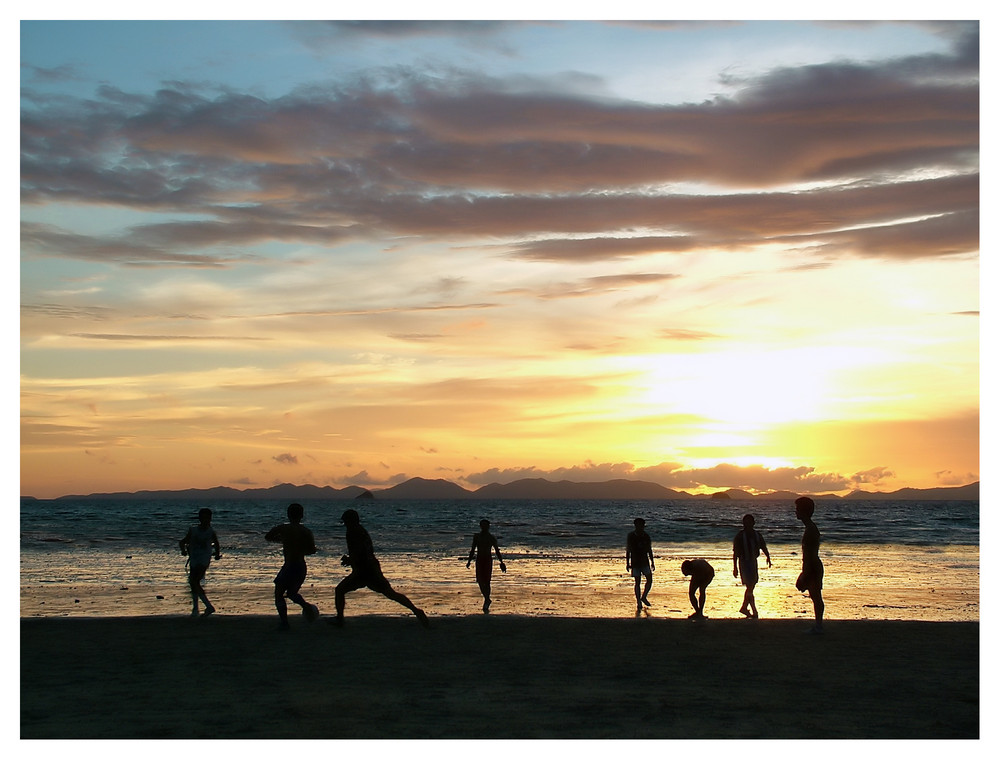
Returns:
point(496, 677)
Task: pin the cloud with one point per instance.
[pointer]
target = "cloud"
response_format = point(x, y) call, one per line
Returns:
point(949, 478)
point(48, 241)
point(874, 475)
point(591, 286)
point(755, 478)
point(565, 177)
point(41, 74)
point(315, 32)
point(364, 479)
point(586, 473)
point(668, 333)
point(286, 459)
point(600, 249)
point(162, 338)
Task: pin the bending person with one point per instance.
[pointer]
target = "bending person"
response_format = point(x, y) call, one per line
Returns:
point(701, 574)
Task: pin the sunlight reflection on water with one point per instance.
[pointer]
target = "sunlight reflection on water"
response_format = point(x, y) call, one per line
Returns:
point(877, 582)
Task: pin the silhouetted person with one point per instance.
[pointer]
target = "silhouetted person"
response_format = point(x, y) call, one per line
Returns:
point(701, 574)
point(365, 569)
point(483, 546)
point(198, 546)
point(811, 577)
point(747, 546)
point(639, 560)
point(296, 542)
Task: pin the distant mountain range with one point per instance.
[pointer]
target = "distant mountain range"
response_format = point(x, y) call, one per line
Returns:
point(529, 488)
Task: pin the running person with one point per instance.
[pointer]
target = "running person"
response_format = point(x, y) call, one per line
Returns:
point(365, 570)
point(483, 547)
point(199, 545)
point(296, 542)
point(747, 546)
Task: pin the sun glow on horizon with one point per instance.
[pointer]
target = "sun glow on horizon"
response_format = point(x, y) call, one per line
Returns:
point(338, 262)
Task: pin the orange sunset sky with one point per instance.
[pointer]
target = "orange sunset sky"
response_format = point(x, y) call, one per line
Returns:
point(709, 255)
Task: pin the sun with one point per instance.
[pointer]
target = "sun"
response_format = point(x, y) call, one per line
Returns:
point(736, 390)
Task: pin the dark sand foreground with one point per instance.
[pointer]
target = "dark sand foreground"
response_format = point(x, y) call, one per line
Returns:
point(480, 677)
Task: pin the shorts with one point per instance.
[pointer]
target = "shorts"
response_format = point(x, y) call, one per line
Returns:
point(484, 571)
point(748, 572)
point(371, 579)
point(810, 578)
point(196, 573)
point(291, 576)
point(641, 570)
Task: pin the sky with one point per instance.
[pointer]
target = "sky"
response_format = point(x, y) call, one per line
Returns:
point(705, 254)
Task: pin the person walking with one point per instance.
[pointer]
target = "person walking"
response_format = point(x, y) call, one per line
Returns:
point(199, 545)
point(639, 561)
point(484, 545)
point(747, 546)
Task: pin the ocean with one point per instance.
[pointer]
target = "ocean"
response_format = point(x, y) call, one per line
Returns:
point(885, 560)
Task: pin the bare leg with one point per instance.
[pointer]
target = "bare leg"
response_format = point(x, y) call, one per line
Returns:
point(281, 605)
point(209, 609)
point(339, 599)
point(818, 608)
point(694, 602)
point(351, 583)
point(198, 592)
point(403, 600)
point(485, 588)
point(311, 611)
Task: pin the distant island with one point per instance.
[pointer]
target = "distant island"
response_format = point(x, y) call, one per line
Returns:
point(528, 488)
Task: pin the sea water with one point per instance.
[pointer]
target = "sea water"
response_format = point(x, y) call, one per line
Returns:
point(885, 560)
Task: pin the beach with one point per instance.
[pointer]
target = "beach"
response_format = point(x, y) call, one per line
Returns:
point(496, 676)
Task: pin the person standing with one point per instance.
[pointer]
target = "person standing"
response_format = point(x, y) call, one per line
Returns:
point(747, 546)
point(484, 544)
point(701, 573)
point(296, 542)
point(199, 545)
point(639, 561)
point(365, 570)
point(811, 578)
